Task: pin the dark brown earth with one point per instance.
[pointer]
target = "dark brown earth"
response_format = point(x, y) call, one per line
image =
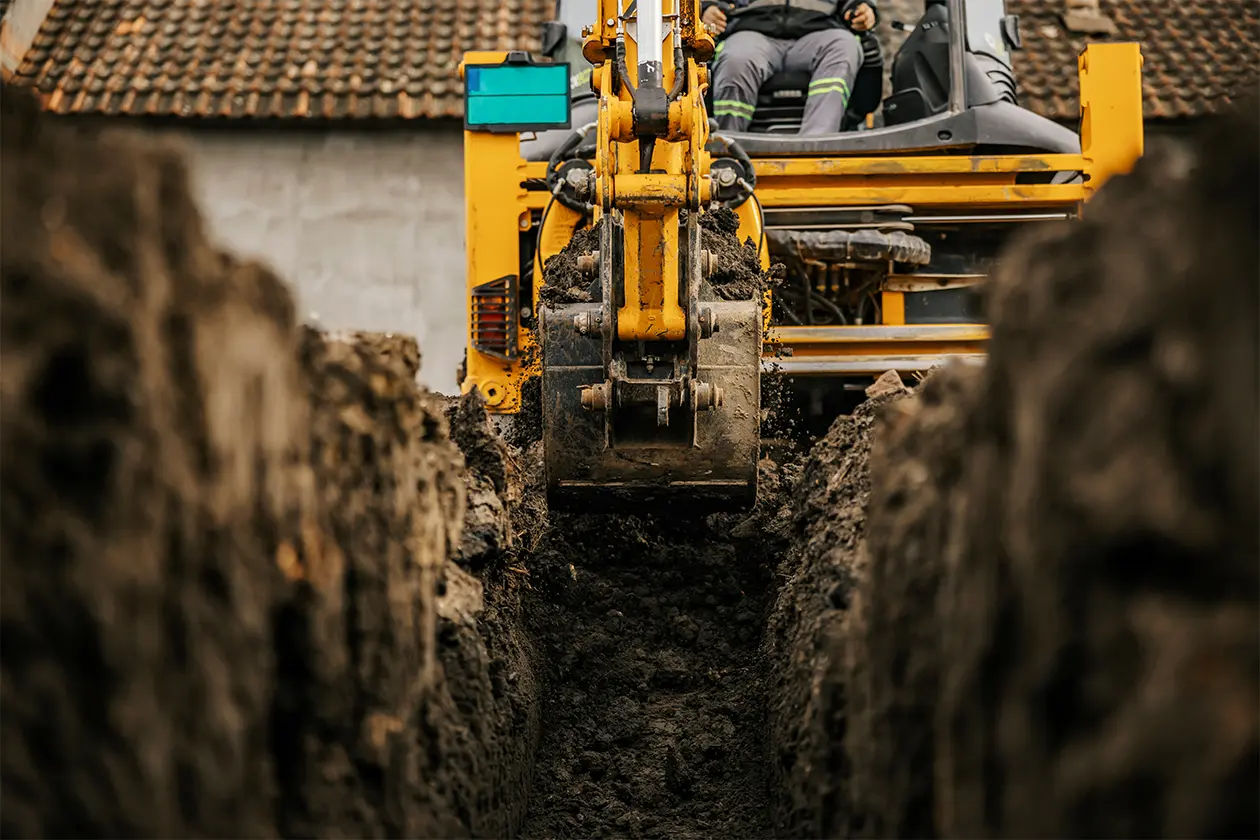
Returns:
point(822, 524)
point(1104, 591)
point(563, 281)
point(653, 720)
point(151, 415)
point(489, 660)
point(738, 275)
point(892, 665)
point(358, 667)
point(223, 539)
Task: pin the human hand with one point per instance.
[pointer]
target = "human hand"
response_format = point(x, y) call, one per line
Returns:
point(861, 19)
point(715, 18)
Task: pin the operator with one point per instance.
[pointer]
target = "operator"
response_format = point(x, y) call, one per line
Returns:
point(759, 38)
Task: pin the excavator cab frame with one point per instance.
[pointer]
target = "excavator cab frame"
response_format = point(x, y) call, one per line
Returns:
point(892, 228)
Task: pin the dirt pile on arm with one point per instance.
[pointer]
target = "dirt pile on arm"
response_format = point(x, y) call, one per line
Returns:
point(1053, 631)
point(226, 609)
point(563, 281)
point(738, 275)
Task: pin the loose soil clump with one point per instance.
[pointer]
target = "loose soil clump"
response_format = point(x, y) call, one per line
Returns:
point(563, 281)
point(738, 275)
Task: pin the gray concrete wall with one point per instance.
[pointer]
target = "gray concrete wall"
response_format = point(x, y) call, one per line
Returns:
point(368, 227)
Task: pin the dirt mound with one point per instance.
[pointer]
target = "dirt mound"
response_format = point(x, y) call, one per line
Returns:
point(409, 703)
point(738, 275)
point(226, 606)
point(489, 660)
point(891, 642)
point(1103, 664)
point(563, 281)
point(151, 415)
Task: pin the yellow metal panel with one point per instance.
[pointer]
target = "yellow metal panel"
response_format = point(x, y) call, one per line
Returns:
point(651, 311)
point(822, 337)
point(870, 349)
point(893, 307)
point(936, 165)
point(865, 365)
point(1025, 196)
point(494, 200)
point(1111, 110)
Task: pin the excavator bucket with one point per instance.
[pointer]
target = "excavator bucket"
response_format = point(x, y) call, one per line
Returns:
point(619, 456)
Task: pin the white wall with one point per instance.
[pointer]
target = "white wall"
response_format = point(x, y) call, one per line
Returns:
point(22, 19)
point(368, 227)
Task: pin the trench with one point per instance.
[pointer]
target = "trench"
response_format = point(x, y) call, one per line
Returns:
point(653, 719)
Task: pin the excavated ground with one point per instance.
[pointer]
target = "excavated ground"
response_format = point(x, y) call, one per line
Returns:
point(257, 583)
point(654, 718)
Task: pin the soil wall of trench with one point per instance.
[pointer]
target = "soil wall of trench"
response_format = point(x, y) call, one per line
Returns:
point(257, 583)
point(1022, 600)
point(227, 605)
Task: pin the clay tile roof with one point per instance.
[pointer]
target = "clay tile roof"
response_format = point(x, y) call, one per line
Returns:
point(1198, 53)
point(333, 59)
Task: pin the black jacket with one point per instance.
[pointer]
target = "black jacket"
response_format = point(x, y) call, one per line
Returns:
point(786, 18)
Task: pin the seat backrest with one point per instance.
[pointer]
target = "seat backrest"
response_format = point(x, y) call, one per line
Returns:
point(783, 88)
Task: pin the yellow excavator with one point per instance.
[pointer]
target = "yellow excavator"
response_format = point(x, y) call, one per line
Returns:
point(603, 148)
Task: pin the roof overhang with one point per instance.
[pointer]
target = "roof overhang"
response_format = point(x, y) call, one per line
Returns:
point(18, 32)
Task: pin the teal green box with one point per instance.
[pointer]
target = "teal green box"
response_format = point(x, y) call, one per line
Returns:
point(516, 97)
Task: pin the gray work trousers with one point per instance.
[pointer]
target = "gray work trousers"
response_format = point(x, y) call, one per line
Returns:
point(746, 60)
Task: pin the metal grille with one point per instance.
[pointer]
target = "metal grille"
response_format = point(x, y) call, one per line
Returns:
point(494, 317)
